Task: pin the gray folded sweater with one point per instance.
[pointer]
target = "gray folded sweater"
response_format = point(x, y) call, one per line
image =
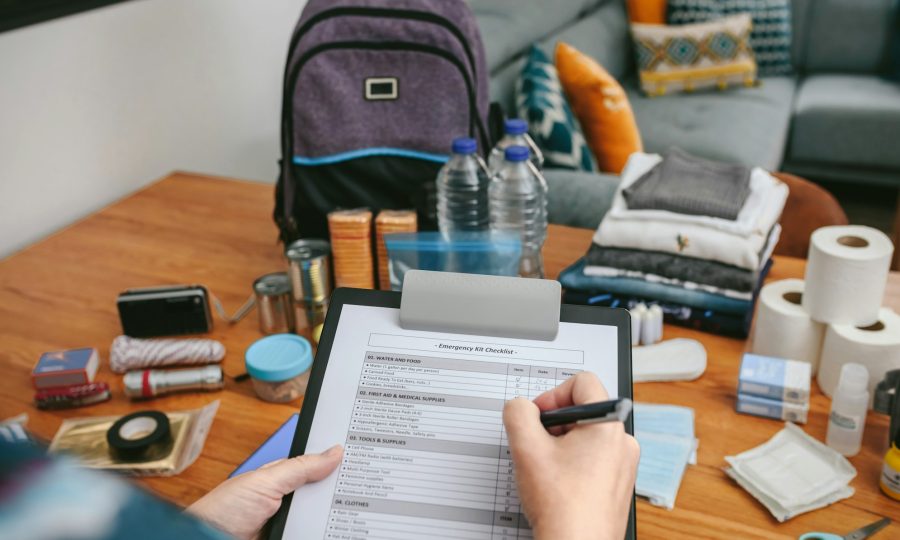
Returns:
point(686, 184)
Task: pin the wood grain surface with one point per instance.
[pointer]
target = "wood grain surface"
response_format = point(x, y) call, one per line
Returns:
point(60, 293)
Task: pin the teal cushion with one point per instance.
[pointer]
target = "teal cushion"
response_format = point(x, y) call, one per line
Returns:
point(540, 101)
point(771, 35)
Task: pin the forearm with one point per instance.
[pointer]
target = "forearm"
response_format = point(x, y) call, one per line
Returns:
point(573, 528)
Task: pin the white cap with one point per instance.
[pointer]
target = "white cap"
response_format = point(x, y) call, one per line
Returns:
point(854, 378)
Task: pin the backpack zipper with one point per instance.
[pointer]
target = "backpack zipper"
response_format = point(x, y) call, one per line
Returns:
point(288, 135)
point(409, 14)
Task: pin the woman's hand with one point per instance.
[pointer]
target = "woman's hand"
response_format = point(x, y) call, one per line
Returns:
point(241, 505)
point(576, 483)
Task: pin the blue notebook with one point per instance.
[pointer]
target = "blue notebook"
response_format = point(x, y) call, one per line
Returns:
point(278, 446)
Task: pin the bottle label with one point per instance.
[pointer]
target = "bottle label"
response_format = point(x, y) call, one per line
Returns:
point(844, 421)
point(890, 478)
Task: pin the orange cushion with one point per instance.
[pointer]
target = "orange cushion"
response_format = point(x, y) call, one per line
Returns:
point(601, 106)
point(647, 11)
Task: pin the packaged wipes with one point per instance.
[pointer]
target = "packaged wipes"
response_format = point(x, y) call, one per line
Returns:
point(792, 473)
point(668, 445)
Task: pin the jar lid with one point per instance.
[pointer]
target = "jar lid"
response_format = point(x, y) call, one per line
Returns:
point(278, 357)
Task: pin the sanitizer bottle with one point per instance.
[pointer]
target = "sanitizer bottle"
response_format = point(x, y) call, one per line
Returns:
point(848, 410)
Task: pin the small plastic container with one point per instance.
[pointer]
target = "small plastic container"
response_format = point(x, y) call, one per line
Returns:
point(849, 406)
point(279, 367)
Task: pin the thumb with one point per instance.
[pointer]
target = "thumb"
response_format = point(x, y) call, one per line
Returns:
point(522, 420)
point(290, 474)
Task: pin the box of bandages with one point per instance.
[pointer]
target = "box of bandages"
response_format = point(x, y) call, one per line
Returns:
point(770, 408)
point(778, 379)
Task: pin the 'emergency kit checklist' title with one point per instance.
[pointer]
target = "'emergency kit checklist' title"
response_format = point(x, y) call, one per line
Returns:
point(475, 349)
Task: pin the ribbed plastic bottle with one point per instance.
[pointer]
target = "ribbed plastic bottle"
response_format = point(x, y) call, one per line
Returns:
point(849, 406)
point(462, 190)
point(518, 197)
point(515, 134)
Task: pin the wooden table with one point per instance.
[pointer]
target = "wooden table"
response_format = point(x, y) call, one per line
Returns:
point(60, 293)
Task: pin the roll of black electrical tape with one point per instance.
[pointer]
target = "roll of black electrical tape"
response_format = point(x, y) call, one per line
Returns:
point(134, 436)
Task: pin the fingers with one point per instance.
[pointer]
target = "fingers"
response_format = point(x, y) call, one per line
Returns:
point(522, 420)
point(290, 474)
point(583, 388)
point(272, 463)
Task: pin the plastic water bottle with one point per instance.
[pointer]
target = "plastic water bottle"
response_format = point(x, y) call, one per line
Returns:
point(516, 133)
point(518, 195)
point(462, 186)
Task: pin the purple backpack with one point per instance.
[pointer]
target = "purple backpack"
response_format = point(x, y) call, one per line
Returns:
point(374, 93)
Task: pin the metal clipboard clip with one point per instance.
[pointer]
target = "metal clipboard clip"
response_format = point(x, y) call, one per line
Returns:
point(480, 305)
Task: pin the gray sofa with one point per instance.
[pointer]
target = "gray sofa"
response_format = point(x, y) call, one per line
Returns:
point(834, 119)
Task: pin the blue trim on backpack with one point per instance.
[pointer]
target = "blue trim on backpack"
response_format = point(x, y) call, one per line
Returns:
point(368, 152)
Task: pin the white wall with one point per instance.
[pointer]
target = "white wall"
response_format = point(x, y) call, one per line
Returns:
point(97, 105)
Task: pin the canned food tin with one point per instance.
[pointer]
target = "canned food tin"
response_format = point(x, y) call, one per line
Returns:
point(273, 303)
point(310, 276)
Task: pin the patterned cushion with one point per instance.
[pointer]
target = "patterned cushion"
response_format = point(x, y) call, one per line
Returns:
point(540, 101)
point(771, 35)
point(694, 56)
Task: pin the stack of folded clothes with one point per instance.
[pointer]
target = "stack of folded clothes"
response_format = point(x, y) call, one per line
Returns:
point(693, 236)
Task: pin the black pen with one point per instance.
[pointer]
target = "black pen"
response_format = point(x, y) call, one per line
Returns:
point(614, 410)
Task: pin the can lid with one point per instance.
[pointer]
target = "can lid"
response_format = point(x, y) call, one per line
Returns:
point(273, 284)
point(278, 357)
point(516, 153)
point(464, 145)
point(515, 126)
point(307, 248)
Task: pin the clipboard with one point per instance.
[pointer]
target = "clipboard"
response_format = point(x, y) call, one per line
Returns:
point(482, 312)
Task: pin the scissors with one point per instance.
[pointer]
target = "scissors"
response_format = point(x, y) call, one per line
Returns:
point(858, 534)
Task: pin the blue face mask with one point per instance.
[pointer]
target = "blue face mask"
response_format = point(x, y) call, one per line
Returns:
point(666, 436)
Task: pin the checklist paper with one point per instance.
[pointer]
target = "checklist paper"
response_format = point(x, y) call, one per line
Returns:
point(420, 417)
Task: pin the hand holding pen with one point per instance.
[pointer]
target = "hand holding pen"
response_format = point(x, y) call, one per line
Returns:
point(613, 410)
point(579, 482)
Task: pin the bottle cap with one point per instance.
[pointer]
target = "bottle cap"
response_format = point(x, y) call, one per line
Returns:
point(516, 153)
point(464, 145)
point(515, 126)
point(278, 357)
point(854, 378)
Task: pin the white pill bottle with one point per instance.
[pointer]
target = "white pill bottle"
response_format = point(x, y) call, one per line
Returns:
point(848, 410)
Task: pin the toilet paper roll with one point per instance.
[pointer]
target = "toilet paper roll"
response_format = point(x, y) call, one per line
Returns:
point(877, 347)
point(846, 274)
point(783, 328)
